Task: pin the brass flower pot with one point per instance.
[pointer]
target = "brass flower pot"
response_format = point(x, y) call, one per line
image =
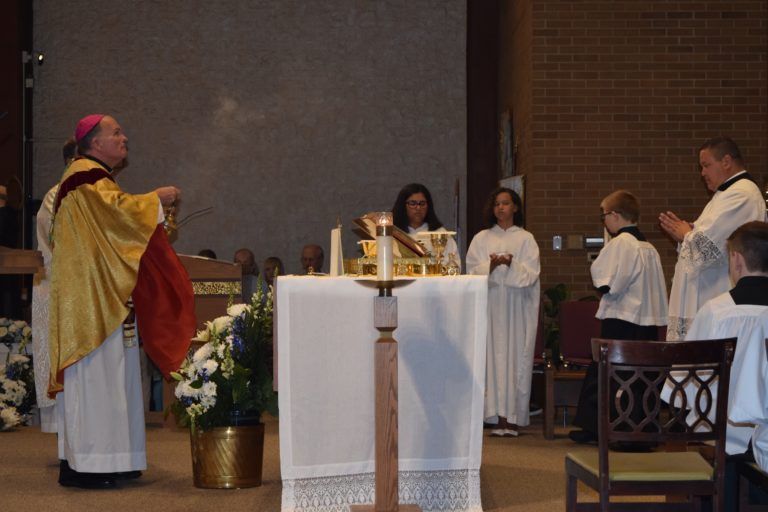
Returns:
point(228, 457)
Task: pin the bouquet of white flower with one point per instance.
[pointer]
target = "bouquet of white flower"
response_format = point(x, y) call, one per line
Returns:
point(229, 374)
point(17, 391)
point(14, 331)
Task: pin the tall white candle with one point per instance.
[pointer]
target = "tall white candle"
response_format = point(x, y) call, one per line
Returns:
point(384, 257)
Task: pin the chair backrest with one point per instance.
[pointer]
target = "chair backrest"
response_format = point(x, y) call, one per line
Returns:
point(698, 371)
point(578, 326)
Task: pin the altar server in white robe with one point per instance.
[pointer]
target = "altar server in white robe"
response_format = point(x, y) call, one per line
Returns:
point(743, 312)
point(633, 304)
point(701, 272)
point(414, 212)
point(508, 254)
point(41, 360)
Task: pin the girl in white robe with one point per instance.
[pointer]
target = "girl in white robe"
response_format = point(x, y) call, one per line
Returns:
point(414, 212)
point(508, 254)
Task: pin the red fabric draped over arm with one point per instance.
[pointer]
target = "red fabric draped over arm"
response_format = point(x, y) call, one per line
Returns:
point(165, 304)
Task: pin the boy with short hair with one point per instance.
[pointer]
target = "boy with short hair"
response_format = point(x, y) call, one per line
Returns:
point(628, 274)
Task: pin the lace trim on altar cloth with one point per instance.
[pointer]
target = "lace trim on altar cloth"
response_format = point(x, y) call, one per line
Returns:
point(699, 252)
point(445, 491)
point(677, 328)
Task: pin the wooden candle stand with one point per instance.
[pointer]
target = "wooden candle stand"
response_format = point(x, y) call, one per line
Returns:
point(385, 375)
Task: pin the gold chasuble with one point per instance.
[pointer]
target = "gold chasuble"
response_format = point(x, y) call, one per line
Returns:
point(107, 246)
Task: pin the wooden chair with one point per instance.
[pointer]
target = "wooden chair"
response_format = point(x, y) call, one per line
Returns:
point(750, 474)
point(703, 364)
point(562, 385)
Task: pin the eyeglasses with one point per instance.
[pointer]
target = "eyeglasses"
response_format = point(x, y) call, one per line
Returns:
point(416, 204)
point(605, 214)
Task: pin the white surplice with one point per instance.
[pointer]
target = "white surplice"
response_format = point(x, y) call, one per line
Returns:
point(701, 272)
point(41, 360)
point(748, 393)
point(632, 270)
point(513, 304)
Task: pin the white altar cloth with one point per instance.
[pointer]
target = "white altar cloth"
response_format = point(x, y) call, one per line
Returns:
point(325, 339)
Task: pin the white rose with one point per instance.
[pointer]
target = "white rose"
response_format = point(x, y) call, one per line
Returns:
point(3, 332)
point(9, 418)
point(237, 309)
point(222, 323)
point(210, 366)
point(18, 358)
point(202, 354)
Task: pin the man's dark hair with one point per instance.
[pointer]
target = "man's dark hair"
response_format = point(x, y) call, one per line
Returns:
point(69, 150)
point(721, 146)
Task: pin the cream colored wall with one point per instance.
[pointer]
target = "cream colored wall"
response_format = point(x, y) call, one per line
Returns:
point(281, 115)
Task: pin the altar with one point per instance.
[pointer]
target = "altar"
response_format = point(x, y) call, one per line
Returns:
point(325, 340)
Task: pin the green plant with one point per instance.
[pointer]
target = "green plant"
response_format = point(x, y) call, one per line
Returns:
point(553, 297)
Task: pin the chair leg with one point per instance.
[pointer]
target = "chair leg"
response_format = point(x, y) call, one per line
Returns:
point(605, 501)
point(696, 502)
point(549, 406)
point(570, 493)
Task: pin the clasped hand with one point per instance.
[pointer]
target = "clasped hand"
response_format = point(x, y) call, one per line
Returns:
point(674, 226)
point(500, 259)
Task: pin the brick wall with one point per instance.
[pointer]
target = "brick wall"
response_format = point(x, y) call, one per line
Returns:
point(622, 95)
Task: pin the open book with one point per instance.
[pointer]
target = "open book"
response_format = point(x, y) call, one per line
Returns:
point(409, 247)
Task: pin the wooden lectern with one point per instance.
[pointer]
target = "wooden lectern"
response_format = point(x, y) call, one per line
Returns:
point(214, 282)
point(20, 261)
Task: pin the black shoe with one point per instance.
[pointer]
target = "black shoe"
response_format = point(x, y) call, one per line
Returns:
point(126, 475)
point(582, 437)
point(68, 477)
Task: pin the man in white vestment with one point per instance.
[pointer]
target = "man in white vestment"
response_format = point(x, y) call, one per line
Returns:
point(701, 272)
